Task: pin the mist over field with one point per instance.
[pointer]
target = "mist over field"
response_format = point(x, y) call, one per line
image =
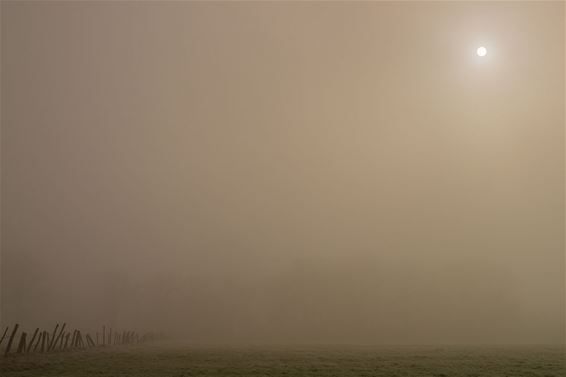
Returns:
point(285, 173)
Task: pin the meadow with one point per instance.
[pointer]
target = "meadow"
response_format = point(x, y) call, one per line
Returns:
point(181, 359)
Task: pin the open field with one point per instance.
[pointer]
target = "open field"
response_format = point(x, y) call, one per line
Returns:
point(178, 359)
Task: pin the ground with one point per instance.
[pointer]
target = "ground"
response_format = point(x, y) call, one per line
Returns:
point(179, 360)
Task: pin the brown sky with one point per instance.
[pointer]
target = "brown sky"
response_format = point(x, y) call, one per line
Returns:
point(285, 172)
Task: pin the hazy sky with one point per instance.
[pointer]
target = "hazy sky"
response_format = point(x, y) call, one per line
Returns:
point(285, 172)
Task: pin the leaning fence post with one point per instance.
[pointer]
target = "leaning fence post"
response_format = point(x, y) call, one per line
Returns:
point(3, 335)
point(38, 341)
point(44, 340)
point(73, 338)
point(54, 342)
point(79, 340)
point(22, 344)
point(50, 345)
point(67, 340)
point(61, 341)
point(32, 339)
point(11, 340)
point(90, 341)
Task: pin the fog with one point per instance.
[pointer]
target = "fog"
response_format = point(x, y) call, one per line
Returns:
point(313, 173)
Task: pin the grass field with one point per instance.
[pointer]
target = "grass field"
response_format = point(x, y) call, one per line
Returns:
point(176, 360)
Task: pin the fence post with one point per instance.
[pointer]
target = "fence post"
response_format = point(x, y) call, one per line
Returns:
point(38, 341)
point(32, 339)
point(3, 335)
point(44, 340)
point(22, 344)
point(67, 340)
point(79, 340)
point(54, 343)
point(62, 340)
point(74, 340)
point(11, 340)
point(52, 338)
point(90, 341)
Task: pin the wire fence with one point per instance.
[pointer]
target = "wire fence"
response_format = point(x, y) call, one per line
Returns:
point(15, 341)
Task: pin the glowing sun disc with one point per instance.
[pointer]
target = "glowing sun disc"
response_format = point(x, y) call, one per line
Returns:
point(481, 51)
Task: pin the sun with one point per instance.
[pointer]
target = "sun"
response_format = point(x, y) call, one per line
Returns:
point(481, 51)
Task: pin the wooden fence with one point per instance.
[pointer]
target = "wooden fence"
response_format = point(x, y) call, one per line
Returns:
point(61, 339)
